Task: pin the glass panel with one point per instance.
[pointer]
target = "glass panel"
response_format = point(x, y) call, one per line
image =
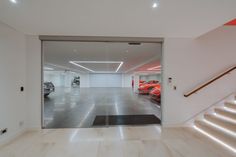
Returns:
point(91, 84)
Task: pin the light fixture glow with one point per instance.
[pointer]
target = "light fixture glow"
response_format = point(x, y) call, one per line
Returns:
point(47, 68)
point(14, 1)
point(225, 118)
point(215, 139)
point(119, 66)
point(108, 62)
point(155, 68)
point(72, 62)
point(220, 128)
point(154, 5)
point(230, 110)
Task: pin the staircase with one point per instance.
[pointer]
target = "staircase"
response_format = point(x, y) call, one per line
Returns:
point(220, 125)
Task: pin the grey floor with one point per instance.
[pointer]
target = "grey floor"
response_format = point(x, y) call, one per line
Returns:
point(78, 107)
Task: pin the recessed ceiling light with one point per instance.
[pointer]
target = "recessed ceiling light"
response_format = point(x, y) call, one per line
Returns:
point(13, 1)
point(155, 4)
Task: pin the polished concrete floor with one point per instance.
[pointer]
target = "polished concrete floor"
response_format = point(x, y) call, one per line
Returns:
point(148, 141)
point(78, 107)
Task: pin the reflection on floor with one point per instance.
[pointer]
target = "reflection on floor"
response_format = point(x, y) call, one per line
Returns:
point(148, 141)
point(78, 107)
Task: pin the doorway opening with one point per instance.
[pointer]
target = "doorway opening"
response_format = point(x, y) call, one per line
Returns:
point(100, 83)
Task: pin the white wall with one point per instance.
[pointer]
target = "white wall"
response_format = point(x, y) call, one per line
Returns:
point(12, 69)
point(33, 81)
point(56, 77)
point(192, 61)
point(60, 78)
point(84, 80)
point(127, 80)
point(105, 80)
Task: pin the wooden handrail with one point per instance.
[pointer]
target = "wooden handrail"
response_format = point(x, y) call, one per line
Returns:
point(209, 82)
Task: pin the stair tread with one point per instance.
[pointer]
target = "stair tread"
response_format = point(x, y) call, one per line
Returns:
point(225, 113)
point(230, 105)
point(221, 122)
point(227, 138)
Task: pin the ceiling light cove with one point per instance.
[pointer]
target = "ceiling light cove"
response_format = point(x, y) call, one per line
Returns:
point(47, 68)
point(155, 68)
point(121, 63)
point(13, 1)
point(73, 62)
point(78, 63)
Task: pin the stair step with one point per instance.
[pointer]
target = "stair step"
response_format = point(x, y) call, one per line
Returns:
point(220, 135)
point(230, 105)
point(221, 122)
point(225, 113)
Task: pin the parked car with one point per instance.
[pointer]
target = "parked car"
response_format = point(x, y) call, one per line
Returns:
point(155, 94)
point(48, 87)
point(147, 87)
point(141, 82)
point(152, 82)
point(75, 81)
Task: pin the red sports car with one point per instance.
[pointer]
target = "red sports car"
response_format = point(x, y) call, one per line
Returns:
point(147, 87)
point(141, 82)
point(155, 94)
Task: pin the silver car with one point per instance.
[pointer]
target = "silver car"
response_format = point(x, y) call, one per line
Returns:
point(48, 88)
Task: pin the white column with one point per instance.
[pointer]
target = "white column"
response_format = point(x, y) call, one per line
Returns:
point(136, 82)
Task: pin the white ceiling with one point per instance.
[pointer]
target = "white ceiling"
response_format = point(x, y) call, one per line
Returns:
point(58, 54)
point(134, 18)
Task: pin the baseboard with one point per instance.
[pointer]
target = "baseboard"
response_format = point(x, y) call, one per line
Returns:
point(12, 137)
point(35, 128)
point(172, 125)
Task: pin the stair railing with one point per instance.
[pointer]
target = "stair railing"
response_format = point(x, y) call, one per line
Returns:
point(200, 87)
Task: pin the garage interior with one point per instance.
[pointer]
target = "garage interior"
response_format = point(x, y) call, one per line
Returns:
point(94, 84)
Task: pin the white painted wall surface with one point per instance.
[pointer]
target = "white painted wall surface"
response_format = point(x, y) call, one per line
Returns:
point(84, 80)
point(56, 77)
point(151, 77)
point(127, 80)
point(13, 74)
point(192, 61)
point(60, 78)
point(105, 80)
point(33, 64)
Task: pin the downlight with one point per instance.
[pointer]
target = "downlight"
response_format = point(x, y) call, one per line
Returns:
point(155, 4)
point(13, 1)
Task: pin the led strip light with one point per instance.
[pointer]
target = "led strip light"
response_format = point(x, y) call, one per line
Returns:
point(225, 118)
point(76, 63)
point(215, 139)
point(155, 68)
point(230, 110)
point(220, 128)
